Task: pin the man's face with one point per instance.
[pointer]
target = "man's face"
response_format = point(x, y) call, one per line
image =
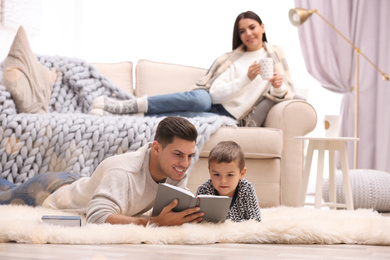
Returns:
point(174, 159)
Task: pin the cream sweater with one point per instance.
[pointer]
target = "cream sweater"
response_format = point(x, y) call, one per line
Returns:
point(234, 90)
point(121, 184)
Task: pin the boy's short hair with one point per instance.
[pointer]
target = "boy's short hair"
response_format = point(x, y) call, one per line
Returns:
point(174, 126)
point(226, 152)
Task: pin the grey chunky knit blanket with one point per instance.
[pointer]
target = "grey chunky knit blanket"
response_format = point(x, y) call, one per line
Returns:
point(68, 138)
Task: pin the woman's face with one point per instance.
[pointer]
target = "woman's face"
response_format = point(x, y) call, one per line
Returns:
point(251, 34)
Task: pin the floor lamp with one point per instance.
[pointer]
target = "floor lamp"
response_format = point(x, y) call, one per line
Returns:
point(297, 17)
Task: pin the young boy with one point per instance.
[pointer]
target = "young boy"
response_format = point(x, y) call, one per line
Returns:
point(227, 171)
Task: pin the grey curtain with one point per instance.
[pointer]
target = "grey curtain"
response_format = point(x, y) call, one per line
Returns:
point(331, 60)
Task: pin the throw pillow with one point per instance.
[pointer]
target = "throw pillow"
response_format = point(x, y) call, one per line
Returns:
point(29, 82)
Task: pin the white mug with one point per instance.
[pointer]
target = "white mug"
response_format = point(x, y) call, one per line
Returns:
point(266, 68)
point(331, 125)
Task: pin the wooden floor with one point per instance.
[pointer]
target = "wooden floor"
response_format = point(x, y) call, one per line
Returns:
point(191, 252)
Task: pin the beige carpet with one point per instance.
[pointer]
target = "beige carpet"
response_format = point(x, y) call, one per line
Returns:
point(281, 225)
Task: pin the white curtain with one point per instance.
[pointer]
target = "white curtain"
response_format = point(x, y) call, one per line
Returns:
point(331, 60)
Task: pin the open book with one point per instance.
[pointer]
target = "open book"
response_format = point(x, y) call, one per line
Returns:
point(215, 208)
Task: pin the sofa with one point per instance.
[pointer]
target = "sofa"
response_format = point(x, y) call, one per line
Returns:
point(34, 143)
point(45, 124)
point(274, 158)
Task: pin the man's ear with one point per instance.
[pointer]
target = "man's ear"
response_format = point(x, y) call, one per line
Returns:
point(156, 147)
point(242, 174)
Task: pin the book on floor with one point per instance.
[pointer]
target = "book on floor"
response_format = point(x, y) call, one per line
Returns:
point(215, 208)
point(68, 221)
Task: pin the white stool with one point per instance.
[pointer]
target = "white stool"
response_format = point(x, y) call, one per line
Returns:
point(332, 144)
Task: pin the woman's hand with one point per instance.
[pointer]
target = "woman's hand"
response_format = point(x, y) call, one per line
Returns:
point(276, 80)
point(253, 70)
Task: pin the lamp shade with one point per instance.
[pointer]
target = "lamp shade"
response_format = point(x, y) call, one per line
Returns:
point(299, 15)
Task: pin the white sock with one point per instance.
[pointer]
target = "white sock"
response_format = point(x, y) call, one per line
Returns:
point(142, 104)
point(98, 102)
point(114, 106)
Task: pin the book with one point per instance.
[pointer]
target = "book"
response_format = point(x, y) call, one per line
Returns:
point(68, 221)
point(215, 208)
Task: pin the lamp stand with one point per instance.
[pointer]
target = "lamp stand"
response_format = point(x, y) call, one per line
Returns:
point(299, 16)
point(357, 51)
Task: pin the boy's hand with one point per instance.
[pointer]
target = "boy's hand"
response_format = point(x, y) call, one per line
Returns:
point(169, 218)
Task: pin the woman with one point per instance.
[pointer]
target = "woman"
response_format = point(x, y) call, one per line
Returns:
point(232, 86)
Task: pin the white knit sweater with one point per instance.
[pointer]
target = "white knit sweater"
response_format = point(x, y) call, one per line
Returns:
point(234, 90)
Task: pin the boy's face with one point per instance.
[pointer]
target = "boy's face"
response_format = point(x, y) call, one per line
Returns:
point(225, 177)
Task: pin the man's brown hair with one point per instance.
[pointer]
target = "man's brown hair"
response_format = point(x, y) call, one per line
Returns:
point(174, 126)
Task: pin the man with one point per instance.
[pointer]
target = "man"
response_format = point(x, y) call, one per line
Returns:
point(123, 187)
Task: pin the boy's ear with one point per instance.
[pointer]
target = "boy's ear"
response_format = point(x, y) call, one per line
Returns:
point(242, 174)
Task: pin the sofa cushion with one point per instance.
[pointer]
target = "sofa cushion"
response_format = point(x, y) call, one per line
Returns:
point(155, 78)
point(121, 73)
point(29, 82)
point(256, 142)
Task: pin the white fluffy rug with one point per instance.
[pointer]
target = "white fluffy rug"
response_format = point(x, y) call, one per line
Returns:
point(280, 225)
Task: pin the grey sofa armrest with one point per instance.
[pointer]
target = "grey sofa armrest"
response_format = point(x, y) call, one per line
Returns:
point(294, 118)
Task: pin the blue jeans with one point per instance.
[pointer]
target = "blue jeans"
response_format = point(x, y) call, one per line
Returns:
point(34, 191)
point(189, 104)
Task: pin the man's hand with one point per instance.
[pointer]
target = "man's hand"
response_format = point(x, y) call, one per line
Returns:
point(166, 218)
point(169, 218)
